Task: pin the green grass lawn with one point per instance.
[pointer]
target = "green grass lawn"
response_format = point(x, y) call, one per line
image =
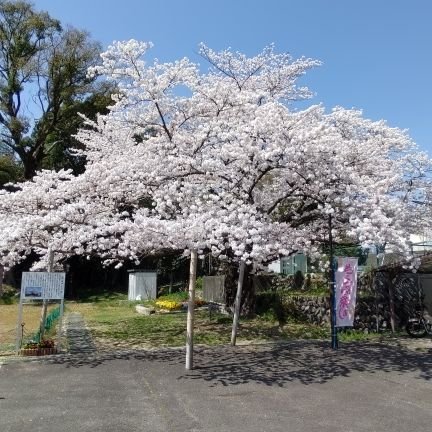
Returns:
point(8, 324)
point(115, 324)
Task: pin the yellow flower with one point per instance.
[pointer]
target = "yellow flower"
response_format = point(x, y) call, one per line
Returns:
point(168, 304)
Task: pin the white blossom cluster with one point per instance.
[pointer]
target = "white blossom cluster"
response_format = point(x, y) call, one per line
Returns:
point(220, 161)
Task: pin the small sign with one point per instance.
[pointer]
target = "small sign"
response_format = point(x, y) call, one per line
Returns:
point(43, 285)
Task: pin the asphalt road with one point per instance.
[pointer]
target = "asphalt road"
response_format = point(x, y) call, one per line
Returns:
point(291, 387)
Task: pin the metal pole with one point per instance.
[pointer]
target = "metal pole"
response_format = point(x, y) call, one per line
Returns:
point(237, 303)
point(334, 335)
point(190, 312)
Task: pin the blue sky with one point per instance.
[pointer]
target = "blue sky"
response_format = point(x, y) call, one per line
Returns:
point(376, 54)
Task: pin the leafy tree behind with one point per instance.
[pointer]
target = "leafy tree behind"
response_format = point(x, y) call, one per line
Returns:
point(43, 85)
point(10, 171)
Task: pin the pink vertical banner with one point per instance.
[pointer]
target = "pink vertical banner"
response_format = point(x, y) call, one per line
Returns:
point(346, 291)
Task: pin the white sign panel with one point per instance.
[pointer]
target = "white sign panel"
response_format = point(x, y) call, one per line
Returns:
point(346, 291)
point(43, 285)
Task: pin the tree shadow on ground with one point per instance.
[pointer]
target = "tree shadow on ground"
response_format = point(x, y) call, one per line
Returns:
point(308, 362)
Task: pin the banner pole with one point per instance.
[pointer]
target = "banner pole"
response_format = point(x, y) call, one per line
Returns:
point(334, 335)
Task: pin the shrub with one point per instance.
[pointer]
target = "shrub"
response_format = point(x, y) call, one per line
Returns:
point(178, 297)
point(298, 280)
point(168, 304)
point(271, 303)
point(9, 295)
point(199, 283)
point(46, 343)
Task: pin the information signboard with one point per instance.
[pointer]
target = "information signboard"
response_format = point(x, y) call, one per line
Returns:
point(43, 285)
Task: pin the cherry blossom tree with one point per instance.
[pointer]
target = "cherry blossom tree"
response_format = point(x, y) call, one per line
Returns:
point(219, 161)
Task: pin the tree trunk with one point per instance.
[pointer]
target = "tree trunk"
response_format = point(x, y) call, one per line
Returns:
point(392, 306)
point(191, 310)
point(171, 281)
point(29, 170)
point(29, 164)
point(237, 303)
point(248, 297)
point(1, 279)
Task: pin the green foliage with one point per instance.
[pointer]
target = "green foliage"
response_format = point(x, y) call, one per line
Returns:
point(61, 141)
point(199, 283)
point(312, 284)
point(179, 296)
point(348, 250)
point(10, 170)
point(9, 295)
point(50, 322)
point(88, 295)
point(271, 305)
point(44, 70)
point(298, 280)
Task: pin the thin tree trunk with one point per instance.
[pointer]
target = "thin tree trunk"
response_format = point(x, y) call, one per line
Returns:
point(191, 310)
point(237, 303)
point(231, 272)
point(45, 302)
point(1, 279)
point(392, 307)
point(377, 310)
point(171, 282)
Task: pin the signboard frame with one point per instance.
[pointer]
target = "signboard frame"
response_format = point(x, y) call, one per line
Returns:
point(41, 286)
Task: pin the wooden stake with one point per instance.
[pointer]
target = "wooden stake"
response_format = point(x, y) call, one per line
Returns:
point(237, 303)
point(191, 310)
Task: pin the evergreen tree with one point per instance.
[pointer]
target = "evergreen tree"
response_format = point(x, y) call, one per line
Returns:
point(43, 84)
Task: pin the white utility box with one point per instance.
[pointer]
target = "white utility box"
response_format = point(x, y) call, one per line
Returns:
point(142, 285)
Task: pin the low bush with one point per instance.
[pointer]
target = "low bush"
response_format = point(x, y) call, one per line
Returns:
point(271, 305)
point(9, 296)
point(168, 304)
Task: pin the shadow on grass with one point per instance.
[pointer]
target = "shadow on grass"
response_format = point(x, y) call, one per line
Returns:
point(308, 362)
point(90, 296)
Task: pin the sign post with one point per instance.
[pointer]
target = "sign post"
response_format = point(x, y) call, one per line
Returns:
point(40, 286)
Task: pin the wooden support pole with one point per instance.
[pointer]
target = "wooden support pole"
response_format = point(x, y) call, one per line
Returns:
point(237, 303)
point(191, 310)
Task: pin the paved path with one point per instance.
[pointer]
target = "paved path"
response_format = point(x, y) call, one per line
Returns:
point(78, 336)
point(290, 387)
